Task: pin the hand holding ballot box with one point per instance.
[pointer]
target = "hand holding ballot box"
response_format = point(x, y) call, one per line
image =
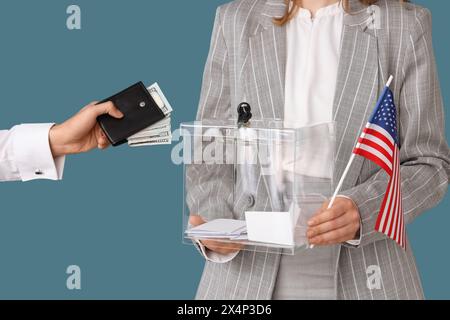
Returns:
point(255, 185)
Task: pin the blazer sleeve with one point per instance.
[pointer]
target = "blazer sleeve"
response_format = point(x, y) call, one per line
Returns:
point(209, 187)
point(424, 150)
point(25, 154)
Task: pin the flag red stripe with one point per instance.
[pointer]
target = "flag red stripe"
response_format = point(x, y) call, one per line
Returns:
point(400, 213)
point(400, 226)
point(392, 211)
point(380, 136)
point(396, 231)
point(383, 205)
point(376, 146)
point(388, 214)
point(373, 158)
point(394, 200)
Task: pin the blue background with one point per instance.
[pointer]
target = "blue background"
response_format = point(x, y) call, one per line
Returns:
point(117, 214)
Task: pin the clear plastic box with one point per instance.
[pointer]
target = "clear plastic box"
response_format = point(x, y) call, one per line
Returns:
point(255, 185)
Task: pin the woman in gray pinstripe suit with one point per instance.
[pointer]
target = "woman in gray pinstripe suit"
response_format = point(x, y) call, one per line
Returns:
point(251, 60)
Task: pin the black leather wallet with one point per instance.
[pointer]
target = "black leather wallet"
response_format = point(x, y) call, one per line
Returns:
point(139, 109)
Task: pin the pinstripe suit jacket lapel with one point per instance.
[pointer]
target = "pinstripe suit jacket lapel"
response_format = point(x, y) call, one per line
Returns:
point(358, 83)
point(267, 65)
point(357, 88)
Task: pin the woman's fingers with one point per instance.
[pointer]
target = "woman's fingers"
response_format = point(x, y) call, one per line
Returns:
point(336, 225)
point(328, 226)
point(334, 237)
point(330, 214)
point(221, 247)
point(216, 246)
point(195, 220)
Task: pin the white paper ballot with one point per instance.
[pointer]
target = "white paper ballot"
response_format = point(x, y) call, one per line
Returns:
point(272, 227)
point(219, 229)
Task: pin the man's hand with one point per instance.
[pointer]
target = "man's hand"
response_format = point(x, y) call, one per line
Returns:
point(339, 224)
point(216, 246)
point(81, 133)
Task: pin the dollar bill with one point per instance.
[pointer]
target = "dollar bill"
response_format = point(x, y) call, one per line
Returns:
point(164, 122)
point(159, 133)
point(154, 142)
point(151, 138)
point(158, 126)
point(151, 132)
point(152, 135)
point(160, 99)
point(162, 134)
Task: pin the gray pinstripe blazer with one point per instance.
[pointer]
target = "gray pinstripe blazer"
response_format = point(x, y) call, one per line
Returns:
point(247, 63)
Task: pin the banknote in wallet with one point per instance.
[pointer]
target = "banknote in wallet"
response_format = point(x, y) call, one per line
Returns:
point(159, 133)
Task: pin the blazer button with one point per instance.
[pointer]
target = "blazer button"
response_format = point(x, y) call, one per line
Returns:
point(38, 172)
point(251, 201)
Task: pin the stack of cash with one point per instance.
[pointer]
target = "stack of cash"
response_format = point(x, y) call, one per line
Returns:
point(159, 133)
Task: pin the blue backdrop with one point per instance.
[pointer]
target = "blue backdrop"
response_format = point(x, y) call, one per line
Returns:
point(117, 214)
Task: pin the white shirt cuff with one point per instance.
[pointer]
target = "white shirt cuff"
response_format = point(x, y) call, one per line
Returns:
point(32, 153)
point(355, 242)
point(214, 256)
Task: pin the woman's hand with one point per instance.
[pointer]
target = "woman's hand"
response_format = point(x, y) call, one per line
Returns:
point(81, 133)
point(216, 246)
point(339, 224)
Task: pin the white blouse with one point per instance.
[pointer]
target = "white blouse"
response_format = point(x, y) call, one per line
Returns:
point(313, 50)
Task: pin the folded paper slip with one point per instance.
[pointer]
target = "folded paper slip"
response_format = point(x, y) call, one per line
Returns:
point(219, 229)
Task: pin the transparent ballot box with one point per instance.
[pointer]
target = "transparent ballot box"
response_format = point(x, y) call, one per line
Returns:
point(254, 187)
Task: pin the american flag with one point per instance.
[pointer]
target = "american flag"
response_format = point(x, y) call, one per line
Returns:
point(379, 143)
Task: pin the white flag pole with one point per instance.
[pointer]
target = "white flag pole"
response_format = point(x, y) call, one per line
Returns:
point(347, 168)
